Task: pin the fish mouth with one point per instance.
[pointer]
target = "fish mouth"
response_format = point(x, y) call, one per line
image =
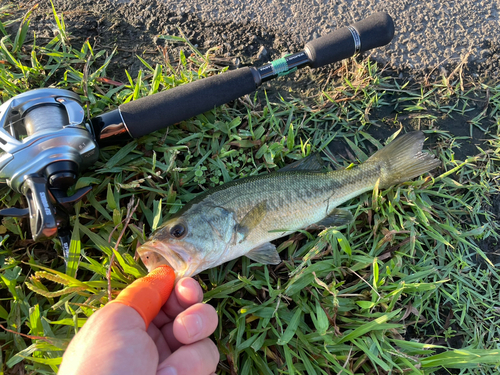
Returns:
point(154, 254)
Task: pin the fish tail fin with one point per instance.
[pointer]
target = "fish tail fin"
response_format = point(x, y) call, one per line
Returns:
point(403, 159)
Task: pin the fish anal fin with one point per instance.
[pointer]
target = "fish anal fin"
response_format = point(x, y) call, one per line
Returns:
point(251, 220)
point(336, 218)
point(265, 254)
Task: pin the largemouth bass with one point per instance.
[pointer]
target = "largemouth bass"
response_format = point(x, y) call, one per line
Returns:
point(242, 217)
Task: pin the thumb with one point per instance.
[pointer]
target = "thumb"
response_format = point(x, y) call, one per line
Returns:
point(148, 294)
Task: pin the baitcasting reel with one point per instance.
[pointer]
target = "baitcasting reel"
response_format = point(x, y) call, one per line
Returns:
point(45, 144)
point(46, 141)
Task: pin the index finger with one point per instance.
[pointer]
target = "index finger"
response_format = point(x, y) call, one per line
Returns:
point(149, 293)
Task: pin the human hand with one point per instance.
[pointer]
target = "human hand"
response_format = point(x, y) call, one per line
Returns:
point(115, 339)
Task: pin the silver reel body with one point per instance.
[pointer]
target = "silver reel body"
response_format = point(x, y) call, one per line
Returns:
point(44, 144)
point(41, 127)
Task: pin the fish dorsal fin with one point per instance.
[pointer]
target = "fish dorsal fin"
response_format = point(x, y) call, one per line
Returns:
point(336, 218)
point(312, 162)
point(251, 220)
point(265, 254)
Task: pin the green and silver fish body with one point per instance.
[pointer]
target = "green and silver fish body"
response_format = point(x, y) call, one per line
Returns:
point(242, 217)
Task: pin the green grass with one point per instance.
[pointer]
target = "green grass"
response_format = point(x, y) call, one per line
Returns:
point(406, 288)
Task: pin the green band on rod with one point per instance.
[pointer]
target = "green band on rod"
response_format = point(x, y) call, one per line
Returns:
point(280, 66)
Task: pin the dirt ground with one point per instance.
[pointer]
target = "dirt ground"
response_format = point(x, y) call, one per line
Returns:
point(428, 33)
point(134, 26)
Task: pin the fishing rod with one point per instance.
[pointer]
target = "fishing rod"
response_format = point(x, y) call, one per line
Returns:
point(46, 140)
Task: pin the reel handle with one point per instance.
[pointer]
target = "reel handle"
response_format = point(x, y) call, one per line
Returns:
point(42, 212)
point(47, 207)
point(158, 111)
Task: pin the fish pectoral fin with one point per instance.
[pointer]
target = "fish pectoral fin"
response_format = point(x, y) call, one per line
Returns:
point(251, 220)
point(336, 218)
point(265, 254)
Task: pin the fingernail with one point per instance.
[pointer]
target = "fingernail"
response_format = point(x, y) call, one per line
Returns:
point(169, 370)
point(192, 323)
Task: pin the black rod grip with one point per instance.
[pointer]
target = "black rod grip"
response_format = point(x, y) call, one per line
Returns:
point(148, 114)
point(374, 31)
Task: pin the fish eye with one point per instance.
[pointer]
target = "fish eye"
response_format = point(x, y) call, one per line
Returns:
point(178, 231)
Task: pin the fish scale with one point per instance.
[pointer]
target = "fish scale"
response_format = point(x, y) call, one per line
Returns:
point(294, 199)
